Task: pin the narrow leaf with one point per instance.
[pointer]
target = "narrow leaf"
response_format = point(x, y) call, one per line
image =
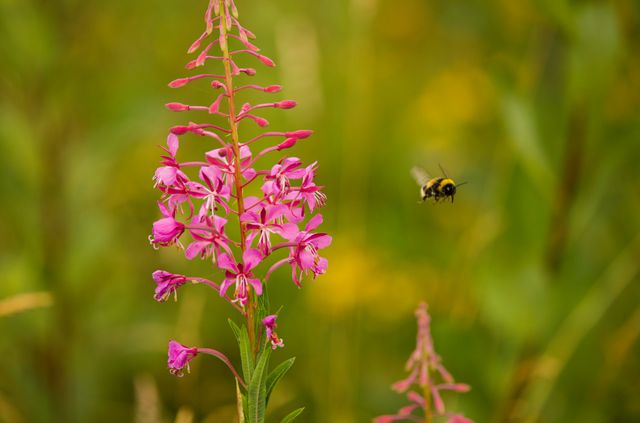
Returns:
point(276, 374)
point(291, 416)
point(257, 391)
point(245, 349)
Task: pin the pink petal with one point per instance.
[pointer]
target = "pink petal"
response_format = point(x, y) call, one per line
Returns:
point(195, 249)
point(173, 143)
point(314, 222)
point(320, 240)
point(251, 258)
point(256, 284)
point(228, 263)
point(226, 283)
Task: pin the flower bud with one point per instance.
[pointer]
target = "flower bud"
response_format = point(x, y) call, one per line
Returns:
point(300, 134)
point(177, 107)
point(272, 88)
point(288, 143)
point(176, 83)
point(266, 60)
point(286, 104)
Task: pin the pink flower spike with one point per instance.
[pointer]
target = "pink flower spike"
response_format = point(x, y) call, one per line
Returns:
point(167, 284)
point(425, 365)
point(269, 323)
point(179, 358)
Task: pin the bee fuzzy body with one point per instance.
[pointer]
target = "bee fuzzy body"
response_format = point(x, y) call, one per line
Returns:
point(438, 189)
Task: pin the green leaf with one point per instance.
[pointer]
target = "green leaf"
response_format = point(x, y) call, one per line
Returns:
point(291, 416)
point(257, 393)
point(276, 374)
point(245, 349)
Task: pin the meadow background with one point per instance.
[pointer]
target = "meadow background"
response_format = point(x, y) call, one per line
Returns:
point(531, 275)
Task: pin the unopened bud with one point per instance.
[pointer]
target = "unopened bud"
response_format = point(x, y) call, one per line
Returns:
point(266, 60)
point(288, 143)
point(261, 122)
point(195, 46)
point(300, 134)
point(286, 104)
point(176, 83)
point(272, 88)
point(177, 107)
point(179, 130)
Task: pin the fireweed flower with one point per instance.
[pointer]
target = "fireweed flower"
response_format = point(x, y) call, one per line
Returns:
point(240, 275)
point(269, 323)
point(425, 367)
point(203, 199)
point(179, 358)
point(167, 284)
point(303, 251)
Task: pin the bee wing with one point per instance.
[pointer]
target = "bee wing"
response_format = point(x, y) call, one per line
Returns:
point(420, 175)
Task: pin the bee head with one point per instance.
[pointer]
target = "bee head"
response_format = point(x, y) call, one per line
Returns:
point(449, 189)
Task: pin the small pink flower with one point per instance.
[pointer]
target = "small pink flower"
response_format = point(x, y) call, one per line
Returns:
point(208, 237)
point(223, 158)
point(166, 231)
point(240, 274)
point(167, 284)
point(179, 357)
point(277, 182)
point(309, 192)
point(303, 256)
point(269, 323)
point(215, 191)
point(262, 223)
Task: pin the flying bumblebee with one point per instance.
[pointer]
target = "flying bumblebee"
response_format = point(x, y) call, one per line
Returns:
point(437, 188)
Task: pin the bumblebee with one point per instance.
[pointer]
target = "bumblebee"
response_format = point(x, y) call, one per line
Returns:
point(437, 188)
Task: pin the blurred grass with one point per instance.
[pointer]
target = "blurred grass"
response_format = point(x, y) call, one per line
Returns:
point(531, 275)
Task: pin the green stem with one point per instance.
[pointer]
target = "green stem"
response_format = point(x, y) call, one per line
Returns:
point(426, 389)
point(233, 125)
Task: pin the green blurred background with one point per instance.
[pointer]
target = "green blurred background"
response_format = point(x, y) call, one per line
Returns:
point(531, 276)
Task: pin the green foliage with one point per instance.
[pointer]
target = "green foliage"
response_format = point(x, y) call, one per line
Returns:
point(257, 392)
point(246, 356)
point(277, 374)
point(530, 274)
point(291, 416)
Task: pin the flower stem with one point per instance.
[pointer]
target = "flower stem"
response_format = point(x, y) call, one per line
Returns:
point(233, 125)
point(427, 389)
point(226, 361)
